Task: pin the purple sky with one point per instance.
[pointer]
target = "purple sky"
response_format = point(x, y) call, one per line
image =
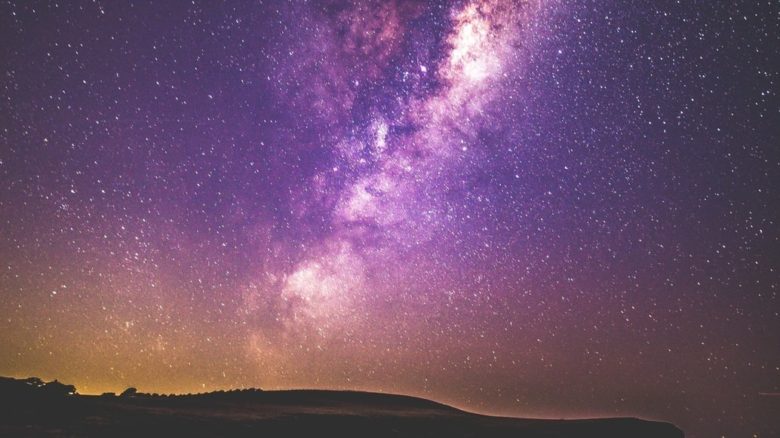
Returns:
point(539, 208)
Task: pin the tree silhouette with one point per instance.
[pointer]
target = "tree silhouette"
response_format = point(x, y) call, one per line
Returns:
point(57, 388)
point(34, 382)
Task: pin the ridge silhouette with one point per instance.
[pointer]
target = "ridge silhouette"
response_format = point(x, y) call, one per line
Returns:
point(32, 407)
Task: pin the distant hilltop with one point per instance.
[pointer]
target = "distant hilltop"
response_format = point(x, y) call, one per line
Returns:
point(37, 408)
point(36, 386)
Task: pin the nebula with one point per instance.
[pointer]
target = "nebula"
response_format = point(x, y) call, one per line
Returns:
point(528, 208)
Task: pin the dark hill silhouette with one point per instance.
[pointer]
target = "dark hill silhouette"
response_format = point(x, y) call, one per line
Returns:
point(31, 407)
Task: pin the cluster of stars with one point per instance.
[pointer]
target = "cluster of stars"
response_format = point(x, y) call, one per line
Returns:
point(527, 208)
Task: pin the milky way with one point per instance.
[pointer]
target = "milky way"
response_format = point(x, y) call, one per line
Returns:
point(537, 208)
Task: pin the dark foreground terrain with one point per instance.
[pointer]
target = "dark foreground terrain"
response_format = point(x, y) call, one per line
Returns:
point(31, 407)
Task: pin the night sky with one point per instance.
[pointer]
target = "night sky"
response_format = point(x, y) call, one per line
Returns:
point(541, 208)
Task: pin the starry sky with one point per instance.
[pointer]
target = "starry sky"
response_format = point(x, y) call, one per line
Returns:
point(538, 208)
